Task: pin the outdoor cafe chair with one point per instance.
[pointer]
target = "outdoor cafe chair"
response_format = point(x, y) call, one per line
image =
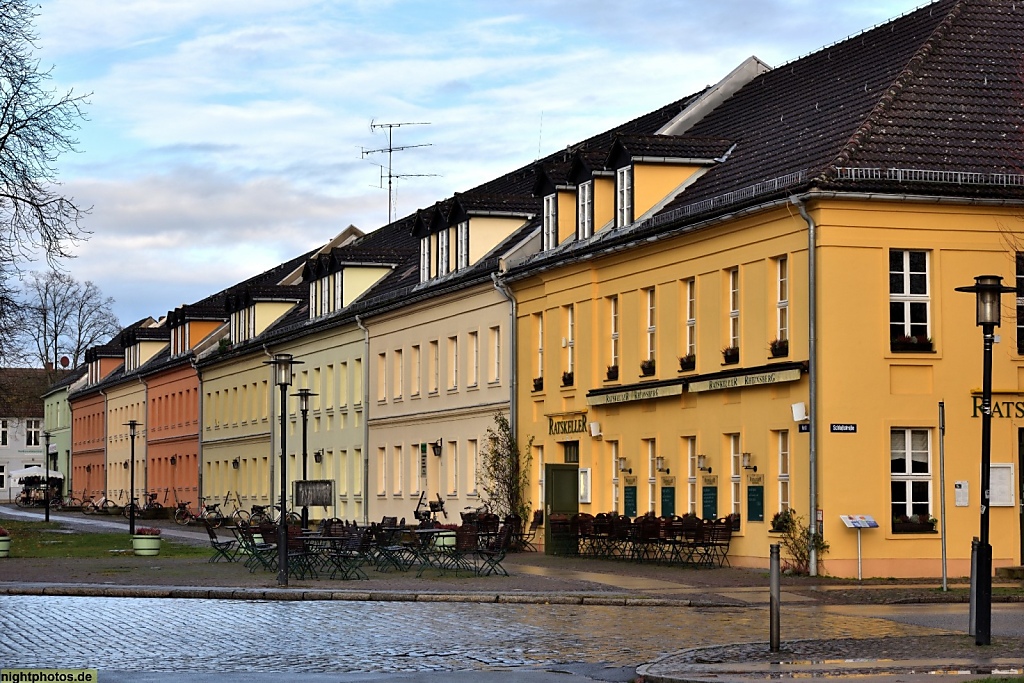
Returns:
point(227, 550)
point(490, 558)
point(251, 542)
point(348, 555)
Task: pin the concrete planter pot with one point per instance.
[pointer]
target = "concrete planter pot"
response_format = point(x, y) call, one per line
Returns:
point(5, 546)
point(146, 545)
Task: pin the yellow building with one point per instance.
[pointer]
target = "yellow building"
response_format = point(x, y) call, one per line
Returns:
point(749, 306)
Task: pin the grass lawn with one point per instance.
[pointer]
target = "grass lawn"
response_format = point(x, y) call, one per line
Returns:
point(42, 540)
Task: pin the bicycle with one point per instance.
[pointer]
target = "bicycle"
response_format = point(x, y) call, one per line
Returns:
point(210, 512)
point(260, 516)
point(103, 506)
point(239, 517)
point(141, 510)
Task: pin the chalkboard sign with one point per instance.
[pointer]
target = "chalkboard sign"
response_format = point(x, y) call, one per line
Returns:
point(629, 500)
point(709, 499)
point(313, 493)
point(668, 500)
point(755, 503)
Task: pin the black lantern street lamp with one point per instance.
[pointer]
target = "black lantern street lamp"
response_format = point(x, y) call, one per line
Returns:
point(131, 424)
point(283, 363)
point(989, 290)
point(46, 458)
point(303, 396)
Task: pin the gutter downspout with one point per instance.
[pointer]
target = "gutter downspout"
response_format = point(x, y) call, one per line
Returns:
point(812, 373)
point(513, 351)
point(200, 421)
point(273, 432)
point(106, 446)
point(145, 440)
point(365, 398)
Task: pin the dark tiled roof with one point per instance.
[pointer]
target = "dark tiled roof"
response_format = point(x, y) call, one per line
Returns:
point(480, 203)
point(114, 348)
point(667, 146)
point(65, 378)
point(22, 389)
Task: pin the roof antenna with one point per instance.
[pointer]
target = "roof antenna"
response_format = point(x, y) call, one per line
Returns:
point(540, 133)
point(391, 149)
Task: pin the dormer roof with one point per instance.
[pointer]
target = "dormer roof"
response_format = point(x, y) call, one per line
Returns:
point(686, 149)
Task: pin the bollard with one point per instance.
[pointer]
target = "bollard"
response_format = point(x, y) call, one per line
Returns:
point(972, 614)
point(775, 596)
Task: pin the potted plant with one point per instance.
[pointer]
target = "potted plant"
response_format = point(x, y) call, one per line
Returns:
point(613, 373)
point(687, 362)
point(5, 542)
point(538, 383)
point(734, 520)
point(647, 367)
point(731, 354)
point(567, 378)
point(779, 347)
point(914, 524)
point(910, 344)
point(783, 521)
point(146, 541)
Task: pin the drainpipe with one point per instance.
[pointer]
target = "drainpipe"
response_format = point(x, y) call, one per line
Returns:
point(513, 351)
point(273, 432)
point(106, 447)
point(366, 421)
point(812, 373)
point(145, 445)
point(201, 420)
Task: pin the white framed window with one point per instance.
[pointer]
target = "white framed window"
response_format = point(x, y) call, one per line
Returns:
point(382, 471)
point(908, 295)
point(539, 324)
point(453, 363)
point(570, 337)
point(425, 259)
point(735, 470)
point(538, 457)
point(398, 374)
point(652, 324)
point(382, 377)
point(415, 370)
point(3, 476)
point(782, 442)
point(495, 365)
point(4, 435)
point(399, 465)
point(1020, 302)
point(473, 456)
point(550, 229)
point(443, 253)
point(33, 430)
point(613, 452)
point(782, 298)
point(651, 447)
point(453, 468)
point(691, 317)
point(734, 307)
point(462, 245)
point(474, 359)
point(613, 316)
point(690, 448)
point(910, 472)
point(623, 196)
point(434, 371)
point(585, 210)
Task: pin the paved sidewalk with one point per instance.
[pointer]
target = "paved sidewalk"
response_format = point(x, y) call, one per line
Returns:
point(537, 578)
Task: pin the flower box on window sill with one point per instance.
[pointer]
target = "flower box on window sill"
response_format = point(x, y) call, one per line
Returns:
point(647, 367)
point(913, 528)
point(567, 379)
point(779, 348)
point(687, 363)
point(911, 345)
point(730, 355)
point(538, 383)
point(613, 373)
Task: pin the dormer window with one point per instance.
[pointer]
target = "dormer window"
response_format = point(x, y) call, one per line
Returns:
point(243, 324)
point(623, 196)
point(131, 358)
point(585, 210)
point(443, 253)
point(325, 295)
point(180, 340)
point(94, 372)
point(550, 233)
point(462, 245)
point(425, 259)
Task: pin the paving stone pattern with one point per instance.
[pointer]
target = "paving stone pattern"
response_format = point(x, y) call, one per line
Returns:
point(138, 634)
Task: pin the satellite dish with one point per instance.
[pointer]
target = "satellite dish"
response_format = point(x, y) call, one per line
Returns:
point(65, 361)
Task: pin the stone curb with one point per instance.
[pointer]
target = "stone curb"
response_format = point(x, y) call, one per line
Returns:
point(302, 594)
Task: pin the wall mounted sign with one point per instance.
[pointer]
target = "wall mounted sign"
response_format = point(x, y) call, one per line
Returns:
point(668, 501)
point(572, 423)
point(1011, 409)
point(752, 380)
point(635, 395)
point(630, 480)
point(755, 503)
point(709, 480)
point(755, 480)
point(842, 428)
point(709, 502)
point(668, 481)
point(629, 501)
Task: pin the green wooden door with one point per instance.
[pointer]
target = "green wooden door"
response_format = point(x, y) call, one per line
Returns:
point(561, 502)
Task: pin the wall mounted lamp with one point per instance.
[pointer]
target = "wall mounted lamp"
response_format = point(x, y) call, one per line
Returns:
point(746, 462)
point(235, 463)
point(318, 456)
point(88, 468)
point(659, 464)
point(702, 464)
point(125, 464)
point(436, 448)
point(623, 468)
point(174, 460)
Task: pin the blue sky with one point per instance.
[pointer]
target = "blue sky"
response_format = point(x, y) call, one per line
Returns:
point(224, 137)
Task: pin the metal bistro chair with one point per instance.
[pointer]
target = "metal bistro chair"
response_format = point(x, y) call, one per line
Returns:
point(491, 558)
point(349, 557)
point(227, 550)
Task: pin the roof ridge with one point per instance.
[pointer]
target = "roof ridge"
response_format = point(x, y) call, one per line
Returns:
point(912, 68)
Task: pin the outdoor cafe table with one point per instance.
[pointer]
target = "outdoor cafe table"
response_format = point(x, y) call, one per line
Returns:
point(435, 548)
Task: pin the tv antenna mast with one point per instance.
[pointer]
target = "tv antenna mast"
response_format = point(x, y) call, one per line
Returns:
point(391, 149)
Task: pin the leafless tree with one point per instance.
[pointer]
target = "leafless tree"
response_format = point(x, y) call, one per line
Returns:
point(37, 124)
point(64, 317)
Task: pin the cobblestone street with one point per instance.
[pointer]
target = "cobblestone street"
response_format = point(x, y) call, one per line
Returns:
point(233, 636)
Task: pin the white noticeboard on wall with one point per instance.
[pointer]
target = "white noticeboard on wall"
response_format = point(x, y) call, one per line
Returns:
point(1001, 487)
point(961, 494)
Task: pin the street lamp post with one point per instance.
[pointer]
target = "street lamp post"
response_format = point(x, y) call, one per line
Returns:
point(46, 463)
point(988, 290)
point(131, 424)
point(303, 396)
point(283, 363)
